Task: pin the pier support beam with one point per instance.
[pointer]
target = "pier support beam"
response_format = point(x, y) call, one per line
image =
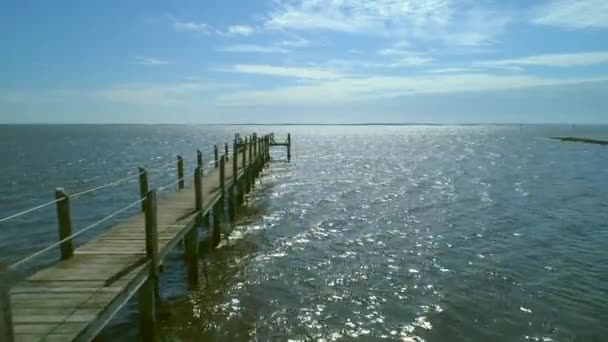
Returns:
point(148, 291)
point(191, 242)
point(199, 159)
point(65, 223)
point(143, 186)
point(6, 320)
point(288, 147)
point(217, 235)
point(180, 172)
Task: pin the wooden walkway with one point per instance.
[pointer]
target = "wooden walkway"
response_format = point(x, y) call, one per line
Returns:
point(76, 297)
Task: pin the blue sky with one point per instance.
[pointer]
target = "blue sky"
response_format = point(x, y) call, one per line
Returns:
point(338, 61)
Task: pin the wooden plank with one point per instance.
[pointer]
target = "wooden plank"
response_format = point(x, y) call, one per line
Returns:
point(75, 298)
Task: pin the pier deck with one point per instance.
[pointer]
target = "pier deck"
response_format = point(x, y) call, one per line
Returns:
point(77, 296)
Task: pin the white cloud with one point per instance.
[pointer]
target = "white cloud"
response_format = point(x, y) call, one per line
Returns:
point(296, 42)
point(414, 60)
point(374, 87)
point(552, 60)
point(402, 44)
point(450, 70)
point(171, 93)
point(292, 72)
point(452, 22)
point(148, 61)
point(573, 14)
point(240, 30)
point(252, 48)
point(190, 26)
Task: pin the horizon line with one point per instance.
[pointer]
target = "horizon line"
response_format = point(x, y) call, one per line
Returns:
point(302, 124)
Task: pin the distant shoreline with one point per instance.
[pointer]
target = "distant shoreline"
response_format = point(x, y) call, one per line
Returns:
point(303, 124)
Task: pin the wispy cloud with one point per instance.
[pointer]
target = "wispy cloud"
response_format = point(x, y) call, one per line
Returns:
point(450, 70)
point(166, 93)
point(374, 87)
point(552, 60)
point(148, 61)
point(291, 72)
point(451, 22)
point(240, 30)
point(252, 48)
point(296, 42)
point(572, 14)
point(190, 26)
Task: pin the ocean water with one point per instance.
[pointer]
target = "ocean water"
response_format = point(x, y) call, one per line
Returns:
point(375, 233)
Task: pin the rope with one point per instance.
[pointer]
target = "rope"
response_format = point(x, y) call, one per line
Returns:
point(120, 181)
point(168, 185)
point(44, 250)
point(31, 209)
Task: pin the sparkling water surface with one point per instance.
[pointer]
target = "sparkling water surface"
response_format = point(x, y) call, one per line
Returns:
point(374, 233)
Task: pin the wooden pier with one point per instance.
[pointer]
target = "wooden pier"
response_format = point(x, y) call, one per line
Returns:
point(75, 298)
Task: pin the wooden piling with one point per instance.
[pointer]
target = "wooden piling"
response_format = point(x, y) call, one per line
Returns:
point(198, 189)
point(226, 151)
point(6, 320)
point(233, 189)
point(147, 292)
point(288, 147)
point(191, 237)
point(215, 156)
point(223, 174)
point(64, 223)
point(199, 159)
point(217, 236)
point(143, 186)
point(180, 172)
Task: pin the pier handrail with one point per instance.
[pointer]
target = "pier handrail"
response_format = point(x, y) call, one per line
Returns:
point(89, 227)
point(239, 147)
point(248, 159)
point(78, 194)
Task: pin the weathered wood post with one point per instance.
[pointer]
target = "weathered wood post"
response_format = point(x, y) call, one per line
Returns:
point(6, 320)
point(64, 221)
point(226, 151)
point(198, 189)
point(216, 238)
point(218, 209)
point(143, 186)
point(215, 155)
point(243, 181)
point(233, 188)
point(199, 159)
point(191, 238)
point(147, 292)
point(180, 172)
point(255, 147)
point(288, 147)
point(222, 175)
point(268, 148)
point(247, 175)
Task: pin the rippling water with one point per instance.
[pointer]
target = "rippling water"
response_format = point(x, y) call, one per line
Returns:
point(410, 233)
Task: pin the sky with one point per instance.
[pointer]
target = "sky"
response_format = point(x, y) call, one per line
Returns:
point(304, 61)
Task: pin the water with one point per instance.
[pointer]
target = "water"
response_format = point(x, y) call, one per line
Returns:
point(409, 233)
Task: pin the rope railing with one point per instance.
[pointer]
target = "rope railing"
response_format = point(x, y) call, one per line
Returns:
point(164, 187)
point(89, 227)
point(31, 209)
point(78, 194)
point(179, 166)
